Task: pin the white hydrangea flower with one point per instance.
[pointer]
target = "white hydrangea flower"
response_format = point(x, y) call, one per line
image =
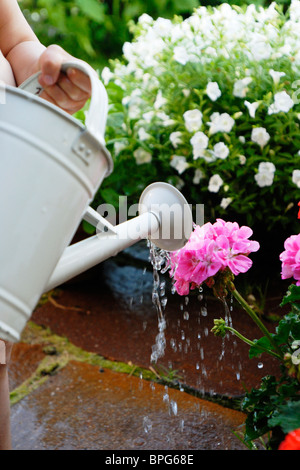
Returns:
point(213, 91)
point(186, 92)
point(220, 123)
point(145, 20)
point(143, 135)
point(240, 87)
point(179, 163)
point(276, 76)
point(267, 167)
point(179, 184)
point(135, 106)
point(296, 178)
point(106, 75)
point(282, 102)
point(176, 138)
point(252, 107)
point(181, 55)
point(260, 49)
point(215, 183)
point(148, 116)
point(265, 175)
point(198, 176)
point(166, 120)
point(160, 100)
point(142, 156)
point(260, 136)
point(119, 146)
point(225, 202)
point(193, 120)
point(162, 27)
point(242, 159)
point(199, 143)
point(221, 150)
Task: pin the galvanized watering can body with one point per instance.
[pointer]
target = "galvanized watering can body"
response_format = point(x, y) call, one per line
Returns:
point(50, 168)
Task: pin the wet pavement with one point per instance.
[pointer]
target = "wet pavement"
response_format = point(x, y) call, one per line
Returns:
point(80, 400)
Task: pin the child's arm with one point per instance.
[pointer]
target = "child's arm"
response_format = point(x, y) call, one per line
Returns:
point(27, 55)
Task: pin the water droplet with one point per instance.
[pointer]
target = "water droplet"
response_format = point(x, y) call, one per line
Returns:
point(147, 424)
point(204, 311)
point(260, 365)
point(166, 397)
point(186, 315)
point(173, 408)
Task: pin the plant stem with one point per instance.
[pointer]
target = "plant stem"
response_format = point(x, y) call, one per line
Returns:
point(256, 320)
point(251, 343)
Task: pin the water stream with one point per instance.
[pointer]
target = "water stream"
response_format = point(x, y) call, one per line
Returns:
point(160, 262)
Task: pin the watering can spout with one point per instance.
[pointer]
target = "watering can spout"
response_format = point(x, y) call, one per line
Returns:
point(164, 217)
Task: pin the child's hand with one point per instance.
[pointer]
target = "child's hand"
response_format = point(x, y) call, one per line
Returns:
point(69, 91)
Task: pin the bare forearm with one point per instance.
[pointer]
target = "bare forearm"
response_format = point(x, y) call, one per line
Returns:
point(24, 58)
point(5, 428)
point(25, 55)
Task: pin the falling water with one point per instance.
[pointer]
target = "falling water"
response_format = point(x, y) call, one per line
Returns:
point(160, 261)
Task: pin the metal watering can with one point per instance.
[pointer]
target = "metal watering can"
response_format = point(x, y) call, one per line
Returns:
point(51, 167)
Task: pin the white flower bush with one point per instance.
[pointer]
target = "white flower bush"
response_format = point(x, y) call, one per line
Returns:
point(210, 104)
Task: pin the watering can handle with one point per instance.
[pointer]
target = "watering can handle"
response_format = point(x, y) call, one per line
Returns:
point(97, 113)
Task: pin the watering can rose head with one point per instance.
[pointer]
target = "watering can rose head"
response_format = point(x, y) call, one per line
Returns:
point(214, 254)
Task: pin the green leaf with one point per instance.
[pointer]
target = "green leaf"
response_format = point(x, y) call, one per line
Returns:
point(110, 196)
point(92, 9)
point(287, 417)
point(255, 350)
point(292, 295)
point(88, 228)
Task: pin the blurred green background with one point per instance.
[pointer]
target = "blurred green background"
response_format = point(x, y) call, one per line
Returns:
point(95, 30)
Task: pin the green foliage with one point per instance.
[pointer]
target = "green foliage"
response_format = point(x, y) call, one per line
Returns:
point(150, 90)
point(287, 417)
point(260, 405)
point(274, 407)
point(94, 30)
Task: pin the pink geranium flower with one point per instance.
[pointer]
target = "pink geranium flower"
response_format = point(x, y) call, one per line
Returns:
point(210, 249)
point(290, 259)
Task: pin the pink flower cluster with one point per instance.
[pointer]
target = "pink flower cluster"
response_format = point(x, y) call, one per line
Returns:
point(291, 259)
point(210, 249)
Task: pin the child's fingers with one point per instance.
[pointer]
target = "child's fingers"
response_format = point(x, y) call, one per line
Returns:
point(69, 91)
point(50, 65)
point(79, 79)
point(74, 92)
point(54, 96)
point(58, 96)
